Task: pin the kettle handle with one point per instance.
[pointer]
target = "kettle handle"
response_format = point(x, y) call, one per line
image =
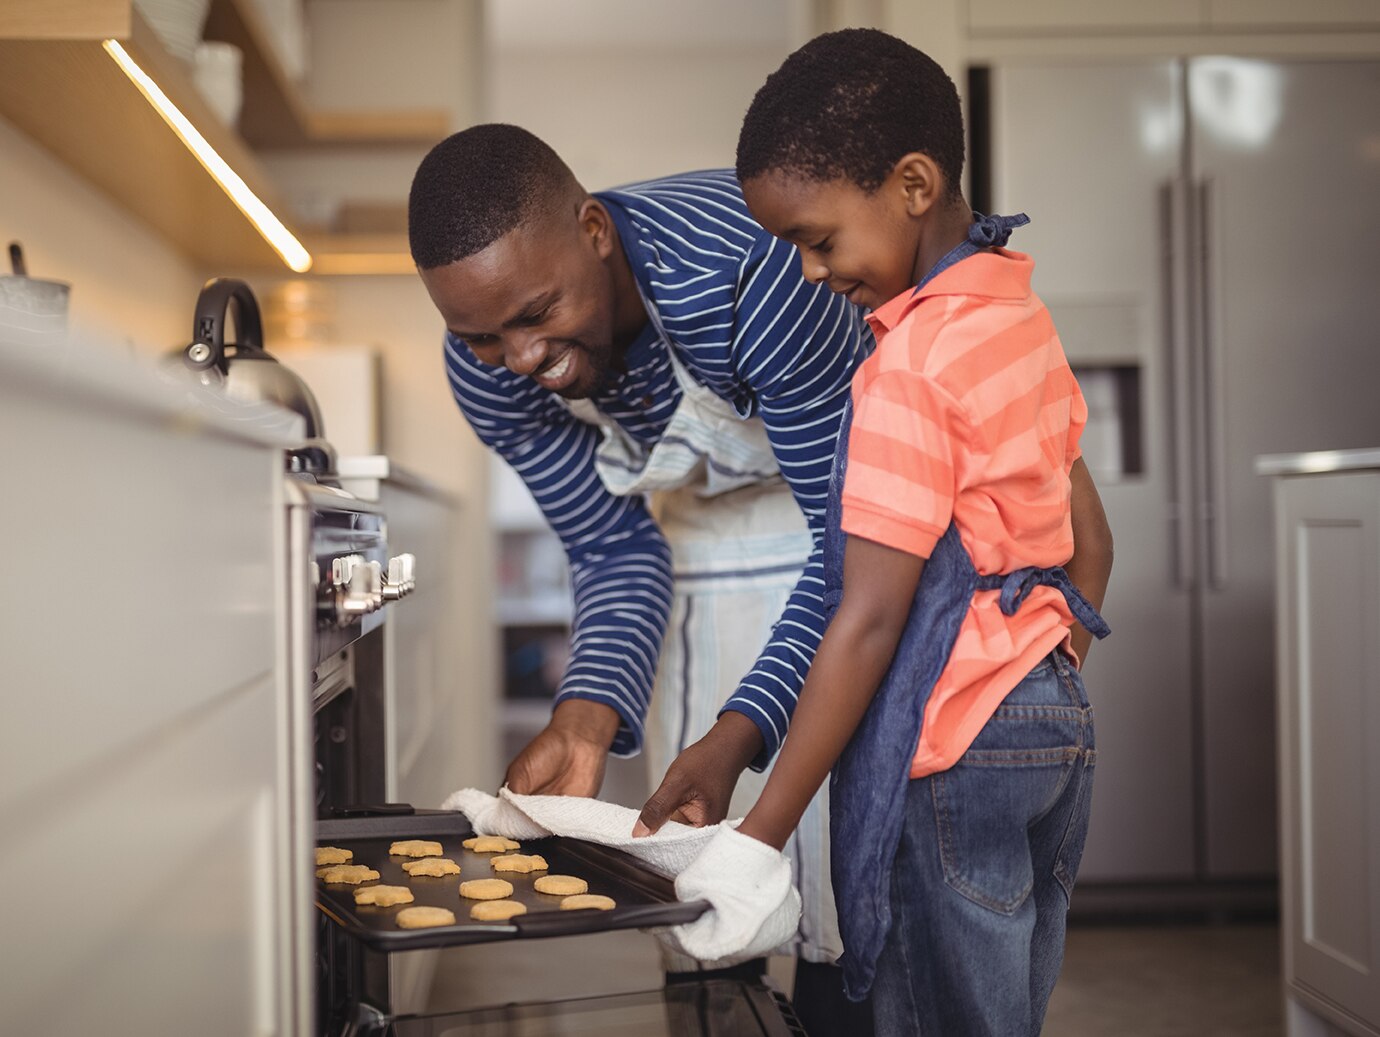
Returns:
point(207, 348)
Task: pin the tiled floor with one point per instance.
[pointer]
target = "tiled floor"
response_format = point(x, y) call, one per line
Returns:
point(1189, 981)
point(1184, 981)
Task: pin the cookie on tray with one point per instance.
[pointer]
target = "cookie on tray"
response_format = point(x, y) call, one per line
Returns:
point(561, 885)
point(486, 889)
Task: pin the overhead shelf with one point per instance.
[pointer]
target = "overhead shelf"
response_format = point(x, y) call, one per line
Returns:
point(277, 115)
point(69, 95)
point(360, 254)
point(60, 86)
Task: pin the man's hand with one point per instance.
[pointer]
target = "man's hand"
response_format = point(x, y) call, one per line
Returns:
point(567, 758)
point(700, 782)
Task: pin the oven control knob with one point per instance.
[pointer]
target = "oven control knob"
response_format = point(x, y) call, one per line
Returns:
point(400, 582)
point(342, 568)
point(357, 598)
point(375, 583)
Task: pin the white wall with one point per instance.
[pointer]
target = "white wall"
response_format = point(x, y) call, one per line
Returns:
point(129, 288)
point(635, 114)
point(626, 91)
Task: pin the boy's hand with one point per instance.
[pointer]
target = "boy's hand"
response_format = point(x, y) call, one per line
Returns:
point(700, 783)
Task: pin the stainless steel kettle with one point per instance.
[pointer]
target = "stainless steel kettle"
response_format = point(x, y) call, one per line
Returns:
point(249, 372)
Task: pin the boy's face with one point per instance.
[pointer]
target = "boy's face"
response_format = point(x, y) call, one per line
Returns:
point(861, 244)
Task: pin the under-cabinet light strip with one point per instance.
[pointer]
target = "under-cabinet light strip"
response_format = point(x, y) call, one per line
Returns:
point(259, 214)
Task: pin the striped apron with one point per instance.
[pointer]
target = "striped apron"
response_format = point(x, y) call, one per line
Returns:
point(738, 544)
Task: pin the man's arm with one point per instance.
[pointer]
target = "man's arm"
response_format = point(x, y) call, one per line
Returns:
point(796, 345)
point(620, 569)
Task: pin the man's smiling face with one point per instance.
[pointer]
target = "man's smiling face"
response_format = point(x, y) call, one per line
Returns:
point(539, 301)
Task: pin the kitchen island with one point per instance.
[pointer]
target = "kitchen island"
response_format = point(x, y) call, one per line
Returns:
point(1327, 542)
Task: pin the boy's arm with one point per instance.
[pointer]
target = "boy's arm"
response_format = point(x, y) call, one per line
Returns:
point(852, 659)
point(1091, 565)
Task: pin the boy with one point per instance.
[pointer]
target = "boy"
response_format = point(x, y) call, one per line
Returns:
point(945, 692)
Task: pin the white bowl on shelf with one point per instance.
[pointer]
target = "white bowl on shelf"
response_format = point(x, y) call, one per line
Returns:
point(178, 23)
point(218, 75)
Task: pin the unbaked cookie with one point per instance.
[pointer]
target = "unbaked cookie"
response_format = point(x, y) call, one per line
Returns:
point(561, 885)
point(415, 848)
point(490, 844)
point(486, 889)
point(424, 917)
point(350, 874)
point(520, 862)
point(383, 896)
point(432, 866)
point(496, 910)
point(333, 855)
point(585, 900)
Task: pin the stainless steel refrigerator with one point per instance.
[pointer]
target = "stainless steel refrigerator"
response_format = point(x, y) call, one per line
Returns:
point(1205, 234)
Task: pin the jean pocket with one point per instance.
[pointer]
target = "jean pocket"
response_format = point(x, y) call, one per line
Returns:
point(983, 809)
point(1070, 853)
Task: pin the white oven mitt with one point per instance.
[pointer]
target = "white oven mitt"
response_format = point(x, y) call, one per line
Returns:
point(754, 906)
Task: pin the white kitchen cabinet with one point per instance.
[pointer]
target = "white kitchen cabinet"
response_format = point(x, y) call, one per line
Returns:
point(1291, 14)
point(1073, 18)
point(1083, 15)
point(1327, 527)
point(146, 749)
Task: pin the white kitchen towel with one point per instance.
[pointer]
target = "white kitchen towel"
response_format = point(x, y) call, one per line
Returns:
point(755, 908)
point(668, 852)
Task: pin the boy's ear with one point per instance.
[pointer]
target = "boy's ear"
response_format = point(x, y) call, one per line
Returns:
point(919, 177)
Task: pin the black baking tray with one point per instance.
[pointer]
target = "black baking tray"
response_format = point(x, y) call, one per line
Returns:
point(644, 898)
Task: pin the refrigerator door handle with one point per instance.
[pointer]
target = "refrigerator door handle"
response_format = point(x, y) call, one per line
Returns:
point(1174, 233)
point(1207, 322)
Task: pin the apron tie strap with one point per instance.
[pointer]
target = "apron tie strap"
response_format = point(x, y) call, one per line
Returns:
point(994, 231)
point(1016, 586)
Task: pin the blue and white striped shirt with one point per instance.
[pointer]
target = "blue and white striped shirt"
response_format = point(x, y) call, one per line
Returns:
point(746, 325)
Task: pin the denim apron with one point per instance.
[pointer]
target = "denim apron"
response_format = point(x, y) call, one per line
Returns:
point(867, 789)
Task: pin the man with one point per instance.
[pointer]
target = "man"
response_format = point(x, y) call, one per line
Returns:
point(653, 365)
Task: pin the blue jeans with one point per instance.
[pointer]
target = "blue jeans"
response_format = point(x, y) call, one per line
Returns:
point(988, 855)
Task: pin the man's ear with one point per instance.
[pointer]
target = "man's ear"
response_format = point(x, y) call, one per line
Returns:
point(918, 176)
point(597, 225)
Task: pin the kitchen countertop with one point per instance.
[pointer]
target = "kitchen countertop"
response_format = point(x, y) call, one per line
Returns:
point(103, 378)
point(1318, 462)
point(361, 474)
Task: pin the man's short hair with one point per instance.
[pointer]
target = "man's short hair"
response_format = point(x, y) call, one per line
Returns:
point(847, 105)
point(476, 186)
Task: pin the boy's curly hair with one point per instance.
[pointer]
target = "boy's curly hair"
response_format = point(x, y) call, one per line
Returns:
point(847, 105)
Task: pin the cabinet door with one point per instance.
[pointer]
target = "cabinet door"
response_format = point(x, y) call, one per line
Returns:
point(1088, 152)
point(144, 797)
point(1328, 541)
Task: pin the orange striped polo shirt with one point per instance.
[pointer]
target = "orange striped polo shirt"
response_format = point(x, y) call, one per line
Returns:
point(967, 411)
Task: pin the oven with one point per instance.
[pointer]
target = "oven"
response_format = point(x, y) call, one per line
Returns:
point(346, 578)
